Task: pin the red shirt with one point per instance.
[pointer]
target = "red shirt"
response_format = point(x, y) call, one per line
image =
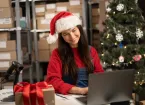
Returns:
point(54, 70)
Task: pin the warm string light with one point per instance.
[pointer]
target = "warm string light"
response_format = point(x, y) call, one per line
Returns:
point(102, 54)
point(108, 36)
point(124, 46)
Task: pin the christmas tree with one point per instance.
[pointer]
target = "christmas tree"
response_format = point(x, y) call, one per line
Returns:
point(123, 40)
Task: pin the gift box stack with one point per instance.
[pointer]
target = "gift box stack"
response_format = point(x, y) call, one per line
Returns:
point(39, 93)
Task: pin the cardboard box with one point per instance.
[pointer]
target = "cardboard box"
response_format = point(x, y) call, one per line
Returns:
point(95, 12)
point(8, 45)
point(5, 3)
point(50, 6)
point(49, 15)
point(43, 45)
point(75, 7)
point(49, 97)
point(75, 2)
point(4, 36)
point(5, 12)
point(95, 26)
point(95, 19)
point(62, 6)
point(11, 55)
point(44, 55)
point(40, 10)
point(4, 65)
point(76, 11)
point(43, 23)
point(6, 23)
point(51, 10)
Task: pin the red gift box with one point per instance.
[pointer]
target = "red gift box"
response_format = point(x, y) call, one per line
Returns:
point(39, 93)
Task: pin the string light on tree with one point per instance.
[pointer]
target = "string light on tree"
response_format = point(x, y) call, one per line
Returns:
point(108, 9)
point(120, 7)
point(108, 36)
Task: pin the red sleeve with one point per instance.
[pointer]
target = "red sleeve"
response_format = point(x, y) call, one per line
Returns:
point(54, 74)
point(96, 61)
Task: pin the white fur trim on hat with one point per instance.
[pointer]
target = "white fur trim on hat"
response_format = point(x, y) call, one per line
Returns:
point(52, 38)
point(67, 23)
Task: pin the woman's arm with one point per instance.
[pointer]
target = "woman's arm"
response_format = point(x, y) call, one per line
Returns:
point(54, 74)
point(78, 90)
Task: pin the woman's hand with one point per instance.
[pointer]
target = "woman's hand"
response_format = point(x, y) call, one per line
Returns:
point(78, 90)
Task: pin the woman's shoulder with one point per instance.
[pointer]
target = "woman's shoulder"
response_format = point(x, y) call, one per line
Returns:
point(92, 48)
point(54, 51)
point(93, 51)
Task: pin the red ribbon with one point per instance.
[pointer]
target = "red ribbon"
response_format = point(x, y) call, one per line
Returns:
point(31, 92)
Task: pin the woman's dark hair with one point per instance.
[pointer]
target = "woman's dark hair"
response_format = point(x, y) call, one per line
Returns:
point(66, 55)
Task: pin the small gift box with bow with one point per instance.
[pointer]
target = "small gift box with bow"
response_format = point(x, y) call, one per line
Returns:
point(34, 94)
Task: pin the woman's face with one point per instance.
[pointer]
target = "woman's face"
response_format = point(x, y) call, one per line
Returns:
point(71, 36)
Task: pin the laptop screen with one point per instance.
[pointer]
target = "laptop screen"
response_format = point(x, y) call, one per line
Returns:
point(109, 87)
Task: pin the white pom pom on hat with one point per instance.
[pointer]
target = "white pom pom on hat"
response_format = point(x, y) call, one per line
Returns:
point(62, 21)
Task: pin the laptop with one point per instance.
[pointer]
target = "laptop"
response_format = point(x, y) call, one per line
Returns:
point(109, 87)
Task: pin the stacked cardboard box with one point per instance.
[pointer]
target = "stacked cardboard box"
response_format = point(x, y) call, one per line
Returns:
point(62, 6)
point(44, 13)
point(7, 50)
point(6, 14)
point(95, 17)
point(75, 7)
point(45, 49)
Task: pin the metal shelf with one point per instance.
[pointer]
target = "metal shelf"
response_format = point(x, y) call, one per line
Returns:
point(28, 0)
point(47, 30)
point(14, 29)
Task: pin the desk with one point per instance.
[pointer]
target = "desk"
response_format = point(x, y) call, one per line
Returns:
point(59, 100)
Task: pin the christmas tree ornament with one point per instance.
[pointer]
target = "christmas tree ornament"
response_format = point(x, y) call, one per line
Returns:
point(120, 45)
point(139, 33)
point(121, 59)
point(120, 7)
point(119, 37)
point(108, 9)
point(137, 57)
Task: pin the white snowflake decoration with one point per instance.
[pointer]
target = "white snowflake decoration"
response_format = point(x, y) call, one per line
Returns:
point(139, 33)
point(121, 59)
point(108, 9)
point(119, 37)
point(120, 7)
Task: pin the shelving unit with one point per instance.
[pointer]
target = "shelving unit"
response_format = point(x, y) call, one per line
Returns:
point(19, 31)
point(32, 34)
point(99, 18)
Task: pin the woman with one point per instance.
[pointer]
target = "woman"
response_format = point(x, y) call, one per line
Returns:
point(74, 59)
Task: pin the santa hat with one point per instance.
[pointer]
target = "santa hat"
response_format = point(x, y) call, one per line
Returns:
point(60, 22)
